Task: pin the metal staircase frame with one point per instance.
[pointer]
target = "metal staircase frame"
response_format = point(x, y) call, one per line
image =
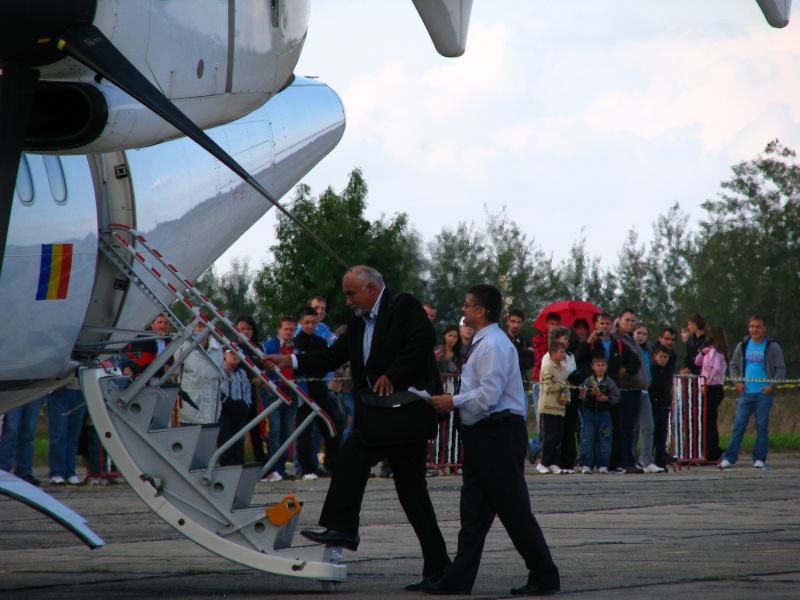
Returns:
point(173, 470)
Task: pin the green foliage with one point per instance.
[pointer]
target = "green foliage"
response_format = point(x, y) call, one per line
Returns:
point(499, 254)
point(748, 255)
point(301, 270)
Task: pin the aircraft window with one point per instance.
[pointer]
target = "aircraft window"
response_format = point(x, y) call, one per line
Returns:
point(24, 181)
point(276, 12)
point(55, 175)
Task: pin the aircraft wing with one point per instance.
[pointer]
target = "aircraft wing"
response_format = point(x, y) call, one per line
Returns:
point(17, 489)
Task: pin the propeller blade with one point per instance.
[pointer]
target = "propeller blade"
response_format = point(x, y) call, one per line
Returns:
point(89, 46)
point(17, 86)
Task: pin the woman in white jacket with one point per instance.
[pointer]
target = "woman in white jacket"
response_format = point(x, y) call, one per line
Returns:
point(202, 373)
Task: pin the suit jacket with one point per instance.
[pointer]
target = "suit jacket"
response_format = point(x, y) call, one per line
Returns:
point(401, 349)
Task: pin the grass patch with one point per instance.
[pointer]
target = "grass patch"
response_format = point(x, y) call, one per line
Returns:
point(777, 441)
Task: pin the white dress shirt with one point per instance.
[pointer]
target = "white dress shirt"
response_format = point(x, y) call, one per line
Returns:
point(490, 379)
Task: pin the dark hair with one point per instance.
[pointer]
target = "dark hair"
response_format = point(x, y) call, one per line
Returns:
point(490, 298)
point(659, 349)
point(554, 345)
point(457, 347)
point(753, 318)
point(287, 319)
point(596, 316)
point(516, 312)
point(698, 320)
point(599, 357)
point(553, 316)
point(557, 332)
point(627, 309)
point(668, 329)
point(318, 298)
point(250, 321)
point(306, 311)
point(583, 323)
point(429, 304)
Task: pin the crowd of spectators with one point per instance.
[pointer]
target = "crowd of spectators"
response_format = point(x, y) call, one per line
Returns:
point(601, 395)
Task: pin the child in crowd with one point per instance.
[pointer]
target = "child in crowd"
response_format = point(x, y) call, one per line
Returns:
point(236, 399)
point(553, 399)
point(713, 361)
point(661, 399)
point(600, 394)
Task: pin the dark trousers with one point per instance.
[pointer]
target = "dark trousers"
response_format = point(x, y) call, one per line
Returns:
point(304, 442)
point(255, 433)
point(615, 461)
point(569, 443)
point(346, 493)
point(232, 418)
point(714, 397)
point(630, 401)
point(660, 427)
point(494, 484)
point(552, 429)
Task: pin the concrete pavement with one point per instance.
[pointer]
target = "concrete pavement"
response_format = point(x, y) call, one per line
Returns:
point(712, 534)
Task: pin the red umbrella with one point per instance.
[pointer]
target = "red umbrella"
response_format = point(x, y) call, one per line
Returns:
point(568, 310)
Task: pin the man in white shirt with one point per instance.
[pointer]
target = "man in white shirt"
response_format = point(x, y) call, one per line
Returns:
point(492, 406)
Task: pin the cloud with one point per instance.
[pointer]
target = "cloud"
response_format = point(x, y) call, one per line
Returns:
point(426, 118)
point(715, 85)
point(161, 182)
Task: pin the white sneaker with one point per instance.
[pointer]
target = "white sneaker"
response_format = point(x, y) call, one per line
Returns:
point(725, 464)
point(74, 480)
point(542, 469)
point(653, 468)
point(555, 469)
point(272, 477)
point(568, 471)
point(57, 480)
point(603, 470)
point(96, 481)
point(758, 464)
point(310, 477)
point(586, 470)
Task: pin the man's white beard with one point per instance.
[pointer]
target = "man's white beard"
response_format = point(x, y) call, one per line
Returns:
point(361, 312)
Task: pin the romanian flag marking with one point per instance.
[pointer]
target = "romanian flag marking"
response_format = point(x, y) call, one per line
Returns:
point(54, 272)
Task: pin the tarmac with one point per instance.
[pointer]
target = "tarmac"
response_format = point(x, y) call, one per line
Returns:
point(702, 532)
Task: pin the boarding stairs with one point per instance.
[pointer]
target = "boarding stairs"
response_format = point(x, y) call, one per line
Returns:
point(174, 470)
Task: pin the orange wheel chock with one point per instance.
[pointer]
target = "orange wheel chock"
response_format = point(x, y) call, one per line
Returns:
point(282, 513)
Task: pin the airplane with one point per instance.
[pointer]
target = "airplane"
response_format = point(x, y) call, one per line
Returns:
point(163, 128)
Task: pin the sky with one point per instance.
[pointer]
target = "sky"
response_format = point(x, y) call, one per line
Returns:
point(582, 118)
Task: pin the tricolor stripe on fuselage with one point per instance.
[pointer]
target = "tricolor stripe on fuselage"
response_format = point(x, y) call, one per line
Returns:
point(54, 272)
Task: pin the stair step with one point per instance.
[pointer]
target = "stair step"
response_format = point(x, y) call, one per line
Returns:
point(206, 446)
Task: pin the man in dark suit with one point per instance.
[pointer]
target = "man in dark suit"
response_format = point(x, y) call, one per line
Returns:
point(389, 343)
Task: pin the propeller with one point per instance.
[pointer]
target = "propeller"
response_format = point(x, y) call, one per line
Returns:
point(89, 46)
point(17, 85)
point(25, 30)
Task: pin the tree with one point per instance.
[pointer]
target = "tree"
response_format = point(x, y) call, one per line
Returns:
point(499, 254)
point(580, 277)
point(748, 256)
point(300, 270)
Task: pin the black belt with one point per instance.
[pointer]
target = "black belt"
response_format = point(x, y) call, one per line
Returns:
point(492, 419)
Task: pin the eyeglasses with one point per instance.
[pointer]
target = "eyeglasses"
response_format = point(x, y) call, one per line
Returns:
point(465, 305)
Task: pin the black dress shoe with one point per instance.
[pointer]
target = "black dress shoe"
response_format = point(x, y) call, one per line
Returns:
point(441, 589)
point(31, 479)
point(531, 589)
point(332, 537)
point(415, 587)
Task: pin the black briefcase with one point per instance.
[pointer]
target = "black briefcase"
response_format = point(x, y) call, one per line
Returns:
point(398, 418)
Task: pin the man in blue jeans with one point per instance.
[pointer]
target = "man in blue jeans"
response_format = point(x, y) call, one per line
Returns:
point(16, 441)
point(756, 358)
point(65, 411)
